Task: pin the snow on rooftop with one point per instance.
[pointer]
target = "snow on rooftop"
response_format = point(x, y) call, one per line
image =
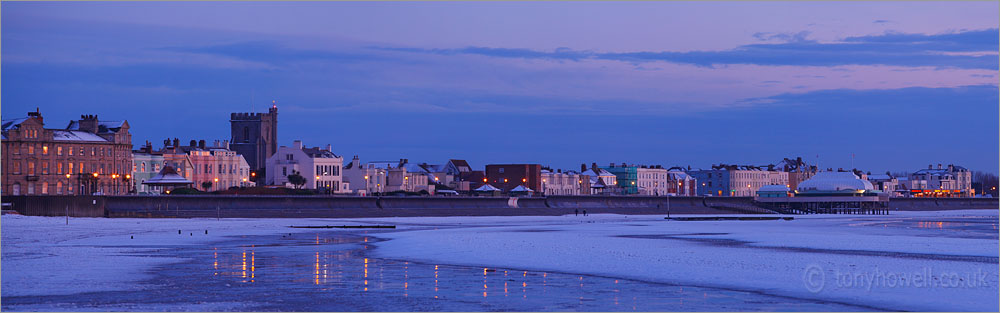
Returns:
point(835, 181)
point(75, 135)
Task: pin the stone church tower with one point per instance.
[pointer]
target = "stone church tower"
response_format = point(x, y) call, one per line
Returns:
point(255, 136)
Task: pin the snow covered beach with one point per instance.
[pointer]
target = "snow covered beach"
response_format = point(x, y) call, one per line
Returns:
point(903, 261)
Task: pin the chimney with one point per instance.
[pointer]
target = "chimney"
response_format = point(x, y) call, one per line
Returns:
point(583, 167)
point(329, 147)
point(177, 142)
point(930, 166)
point(939, 165)
point(216, 143)
point(356, 162)
point(225, 144)
point(88, 123)
point(951, 167)
point(194, 143)
point(593, 166)
point(297, 144)
point(37, 115)
point(201, 143)
point(166, 143)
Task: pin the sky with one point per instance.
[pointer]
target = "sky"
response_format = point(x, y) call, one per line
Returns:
point(898, 85)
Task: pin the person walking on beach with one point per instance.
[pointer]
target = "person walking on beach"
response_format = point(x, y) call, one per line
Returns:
point(585, 212)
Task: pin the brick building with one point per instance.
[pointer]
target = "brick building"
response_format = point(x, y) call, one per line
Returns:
point(89, 156)
point(508, 176)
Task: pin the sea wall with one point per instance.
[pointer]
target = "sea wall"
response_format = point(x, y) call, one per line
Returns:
point(228, 206)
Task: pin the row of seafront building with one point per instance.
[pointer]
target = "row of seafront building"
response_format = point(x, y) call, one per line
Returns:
point(90, 156)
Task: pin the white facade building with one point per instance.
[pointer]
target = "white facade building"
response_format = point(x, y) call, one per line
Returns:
point(320, 167)
point(560, 183)
point(652, 181)
point(944, 181)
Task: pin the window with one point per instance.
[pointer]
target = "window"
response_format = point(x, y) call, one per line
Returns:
point(93, 151)
point(69, 167)
point(17, 167)
point(31, 168)
point(31, 149)
point(31, 188)
point(45, 188)
point(16, 189)
point(143, 166)
point(81, 168)
point(70, 150)
point(246, 134)
point(284, 171)
point(59, 188)
point(501, 170)
point(59, 150)
point(59, 168)
point(45, 150)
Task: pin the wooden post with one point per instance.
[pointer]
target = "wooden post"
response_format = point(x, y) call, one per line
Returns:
point(67, 215)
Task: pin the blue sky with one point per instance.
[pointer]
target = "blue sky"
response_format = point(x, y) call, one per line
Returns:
point(900, 85)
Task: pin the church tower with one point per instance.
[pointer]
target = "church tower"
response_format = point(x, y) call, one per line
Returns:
point(255, 136)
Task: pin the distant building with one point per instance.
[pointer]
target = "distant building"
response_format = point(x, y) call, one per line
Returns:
point(736, 180)
point(508, 176)
point(216, 166)
point(146, 164)
point(951, 181)
point(797, 169)
point(87, 157)
point(562, 183)
point(255, 136)
point(825, 192)
point(885, 183)
point(640, 179)
point(388, 176)
point(680, 183)
point(321, 168)
point(602, 182)
point(364, 179)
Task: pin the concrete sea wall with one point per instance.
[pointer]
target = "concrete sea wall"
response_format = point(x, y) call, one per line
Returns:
point(227, 206)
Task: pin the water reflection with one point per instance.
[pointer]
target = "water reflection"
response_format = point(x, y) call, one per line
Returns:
point(340, 266)
point(953, 226)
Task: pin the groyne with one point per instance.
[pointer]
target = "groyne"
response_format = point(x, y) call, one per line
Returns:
point(243, 206)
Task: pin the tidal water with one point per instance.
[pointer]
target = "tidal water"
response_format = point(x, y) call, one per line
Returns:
point(334, 271)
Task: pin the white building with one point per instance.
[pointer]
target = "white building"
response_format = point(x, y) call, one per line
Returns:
point(383, 176)
point(652, 181)
point(560, 183)
point(320, 167)
point(952, 181)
